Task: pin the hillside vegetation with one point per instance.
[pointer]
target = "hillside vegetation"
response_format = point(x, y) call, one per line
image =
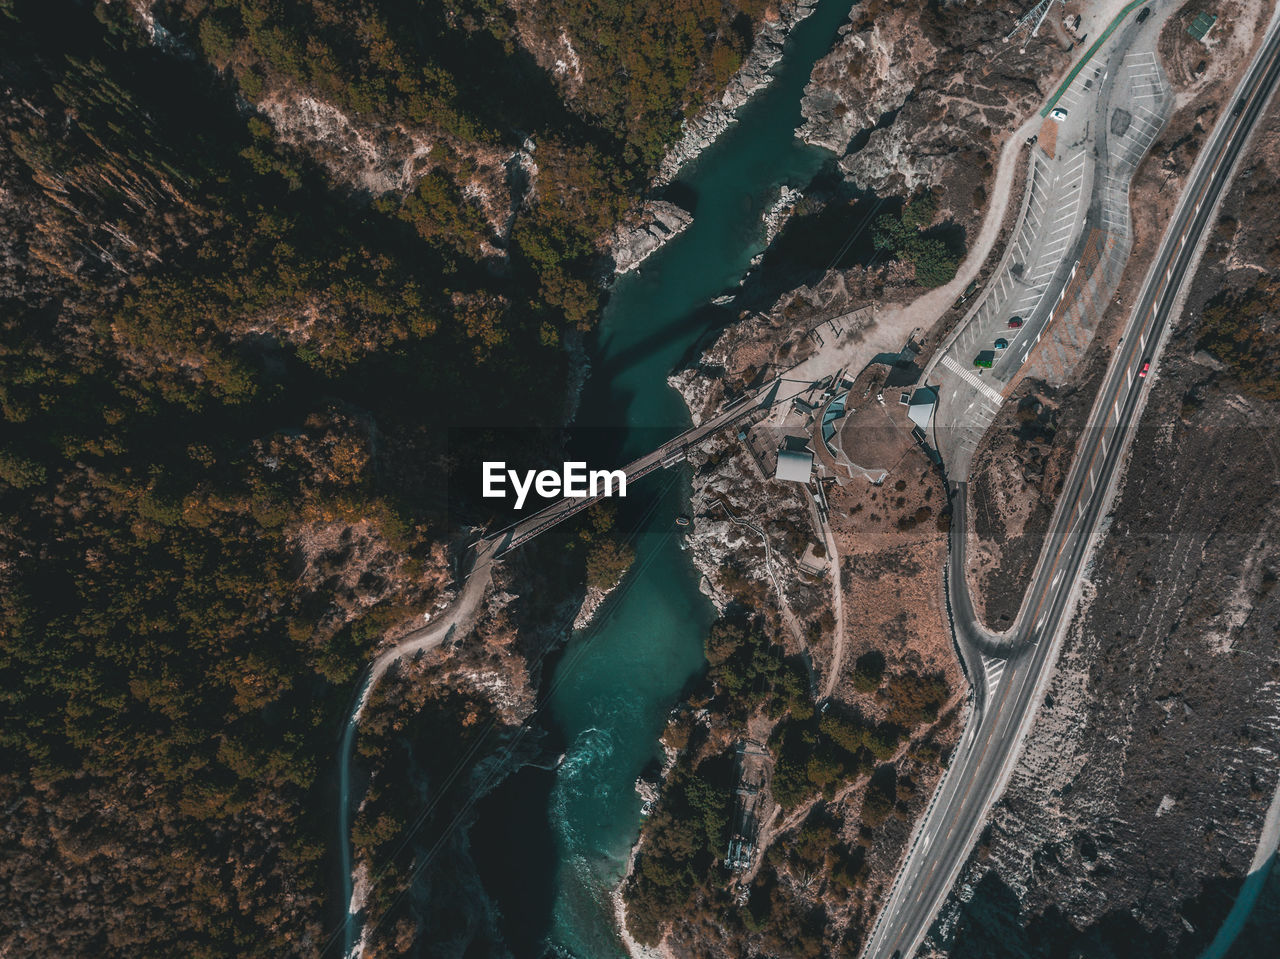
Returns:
point(233, 390)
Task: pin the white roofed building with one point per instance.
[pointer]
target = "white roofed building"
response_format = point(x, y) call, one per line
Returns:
point(794, 466)
point(923, 402)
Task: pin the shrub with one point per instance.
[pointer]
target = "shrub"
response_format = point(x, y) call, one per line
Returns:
point(882, 793)
point(868, 671)
point(915, 699)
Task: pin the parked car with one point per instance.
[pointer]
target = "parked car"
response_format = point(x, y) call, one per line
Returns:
point(1143, 14)
point(1145, 368)
point(1002, 344)
point(984, 359)
point(1059, 114)
point(1015, 322)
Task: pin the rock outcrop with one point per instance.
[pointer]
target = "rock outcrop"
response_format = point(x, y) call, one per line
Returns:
point(778, 214)
point(891, 163)
point(373, 160)
point(868, 74)
point(658, 222)
point(753, 76)
point(915, 89)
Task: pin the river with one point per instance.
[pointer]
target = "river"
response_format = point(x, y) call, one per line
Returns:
point(551, 846)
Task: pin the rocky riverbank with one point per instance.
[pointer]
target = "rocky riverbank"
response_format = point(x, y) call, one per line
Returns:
point(831, 814)
point(659, 221)
point(752, 77)
point(775, 218)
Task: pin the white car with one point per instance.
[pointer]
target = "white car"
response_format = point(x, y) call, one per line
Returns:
point(1059, 114)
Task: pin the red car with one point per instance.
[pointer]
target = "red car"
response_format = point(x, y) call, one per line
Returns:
point(1145, 366)
point(1015, 323)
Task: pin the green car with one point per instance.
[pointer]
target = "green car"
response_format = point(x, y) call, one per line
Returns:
point(984, 359)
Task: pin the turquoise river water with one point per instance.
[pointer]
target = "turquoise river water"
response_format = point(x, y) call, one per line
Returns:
point(551, 846)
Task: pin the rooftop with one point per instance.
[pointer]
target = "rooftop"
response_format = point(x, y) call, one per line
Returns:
point(795, 466)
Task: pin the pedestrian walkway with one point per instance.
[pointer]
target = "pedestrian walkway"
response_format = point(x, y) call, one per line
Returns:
point(973, 379)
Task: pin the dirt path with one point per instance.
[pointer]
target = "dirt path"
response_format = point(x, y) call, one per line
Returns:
point(924, 311)
point(461, 616)
point(892, 323)
point(837, 603)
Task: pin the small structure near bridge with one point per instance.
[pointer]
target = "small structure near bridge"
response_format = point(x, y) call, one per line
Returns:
point(795, 461)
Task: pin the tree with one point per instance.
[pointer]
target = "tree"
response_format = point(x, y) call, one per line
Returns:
point(903, 235)
point(868, 671)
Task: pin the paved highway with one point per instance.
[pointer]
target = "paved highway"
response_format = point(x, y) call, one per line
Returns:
point(1009, 672)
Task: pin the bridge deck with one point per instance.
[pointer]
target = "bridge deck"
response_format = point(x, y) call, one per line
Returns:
point(669, 453)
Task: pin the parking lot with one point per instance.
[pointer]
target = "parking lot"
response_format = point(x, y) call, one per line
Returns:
point(1068, 250)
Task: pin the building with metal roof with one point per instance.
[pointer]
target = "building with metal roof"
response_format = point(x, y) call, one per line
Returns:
point(794, 466)
point(923, 402)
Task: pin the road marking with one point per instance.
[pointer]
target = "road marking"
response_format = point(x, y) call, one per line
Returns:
point(972, 379)
point(981, 757)
point(993, 669)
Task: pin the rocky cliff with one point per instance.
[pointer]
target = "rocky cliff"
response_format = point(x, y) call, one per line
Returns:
point(754, 75)
point(868, 73)
point(655, 223)
point(923, 95)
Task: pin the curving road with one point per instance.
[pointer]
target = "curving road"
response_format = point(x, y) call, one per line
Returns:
point(460, 616)
point(1009, 672)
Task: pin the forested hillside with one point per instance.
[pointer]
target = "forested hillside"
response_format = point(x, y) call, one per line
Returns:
point(228, 382)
